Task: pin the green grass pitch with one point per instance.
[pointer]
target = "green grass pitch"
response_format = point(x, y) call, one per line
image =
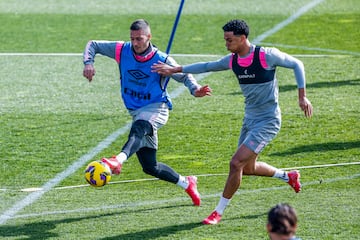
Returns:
point(51, 118)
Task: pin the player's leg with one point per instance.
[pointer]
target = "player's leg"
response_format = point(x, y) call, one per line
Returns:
point(266, 170)
point(242, 162)
point(139, 129)
point(146, 121)
point(147, 159)
point(240, 159)
point(259, 169)
point(261, 134)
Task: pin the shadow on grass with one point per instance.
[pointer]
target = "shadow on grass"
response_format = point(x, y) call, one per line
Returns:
point(169, 230)
point(352, 82)
point(255, 216)
point(156, 232)
point(43, 229)
point(321, 147)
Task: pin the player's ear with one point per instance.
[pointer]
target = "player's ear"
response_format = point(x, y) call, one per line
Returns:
point(268, 227)
point(243, 37)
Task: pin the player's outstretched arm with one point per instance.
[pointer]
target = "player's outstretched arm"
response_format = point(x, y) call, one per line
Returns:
point(89, 71)
point(165, 69)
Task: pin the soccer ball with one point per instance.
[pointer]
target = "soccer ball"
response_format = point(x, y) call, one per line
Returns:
point(97, 174)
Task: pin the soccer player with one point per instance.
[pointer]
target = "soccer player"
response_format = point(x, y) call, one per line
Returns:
point(146, 99)
point(282, 222)
point(254, 67)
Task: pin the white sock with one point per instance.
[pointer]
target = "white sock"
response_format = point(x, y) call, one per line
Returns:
point(182, 182)
point(220, 208)
point(280, 174)
point(121, 157)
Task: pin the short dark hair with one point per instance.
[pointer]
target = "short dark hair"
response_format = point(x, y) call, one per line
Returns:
point(239, 27)
point(281, 217)
point(140, 24)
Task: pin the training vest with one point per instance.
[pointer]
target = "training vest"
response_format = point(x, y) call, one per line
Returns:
point(254, 73)
point(258, 85)
point(140, 86)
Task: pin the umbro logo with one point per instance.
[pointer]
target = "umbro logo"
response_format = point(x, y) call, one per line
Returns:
point(138, 74)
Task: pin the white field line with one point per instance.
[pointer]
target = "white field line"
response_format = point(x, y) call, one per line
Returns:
point(339, 53)
point(34, 189)
point(174, 200)
point(43, 54)
point(288, 21)
point(33, 196)
point(313, 49)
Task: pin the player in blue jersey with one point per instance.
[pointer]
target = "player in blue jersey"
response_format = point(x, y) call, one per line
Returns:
point(254, 68)
point(146, 99)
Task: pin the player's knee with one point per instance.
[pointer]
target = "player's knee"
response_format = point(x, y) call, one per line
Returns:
point(141, 128)
point(234, 165)
point(237, 164)
point(249, 170)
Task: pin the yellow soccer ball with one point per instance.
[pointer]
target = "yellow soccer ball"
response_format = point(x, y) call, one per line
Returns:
point(97, 174)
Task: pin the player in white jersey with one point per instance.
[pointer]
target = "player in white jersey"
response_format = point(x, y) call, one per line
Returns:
point(145, 97)
point(254, 67)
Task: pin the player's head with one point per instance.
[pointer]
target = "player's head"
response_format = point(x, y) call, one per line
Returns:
point(238, 27)
point(282, 222)
point(140, 35)
point(236, 33)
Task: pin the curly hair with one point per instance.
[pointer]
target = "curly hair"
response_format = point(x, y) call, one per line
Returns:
point(238, 27)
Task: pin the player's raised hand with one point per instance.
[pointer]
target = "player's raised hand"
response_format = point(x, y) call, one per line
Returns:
point(89, 71)
point(203, 91)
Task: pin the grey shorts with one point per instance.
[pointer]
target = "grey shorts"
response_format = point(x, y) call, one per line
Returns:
point(256, 134)
point(157, 114)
